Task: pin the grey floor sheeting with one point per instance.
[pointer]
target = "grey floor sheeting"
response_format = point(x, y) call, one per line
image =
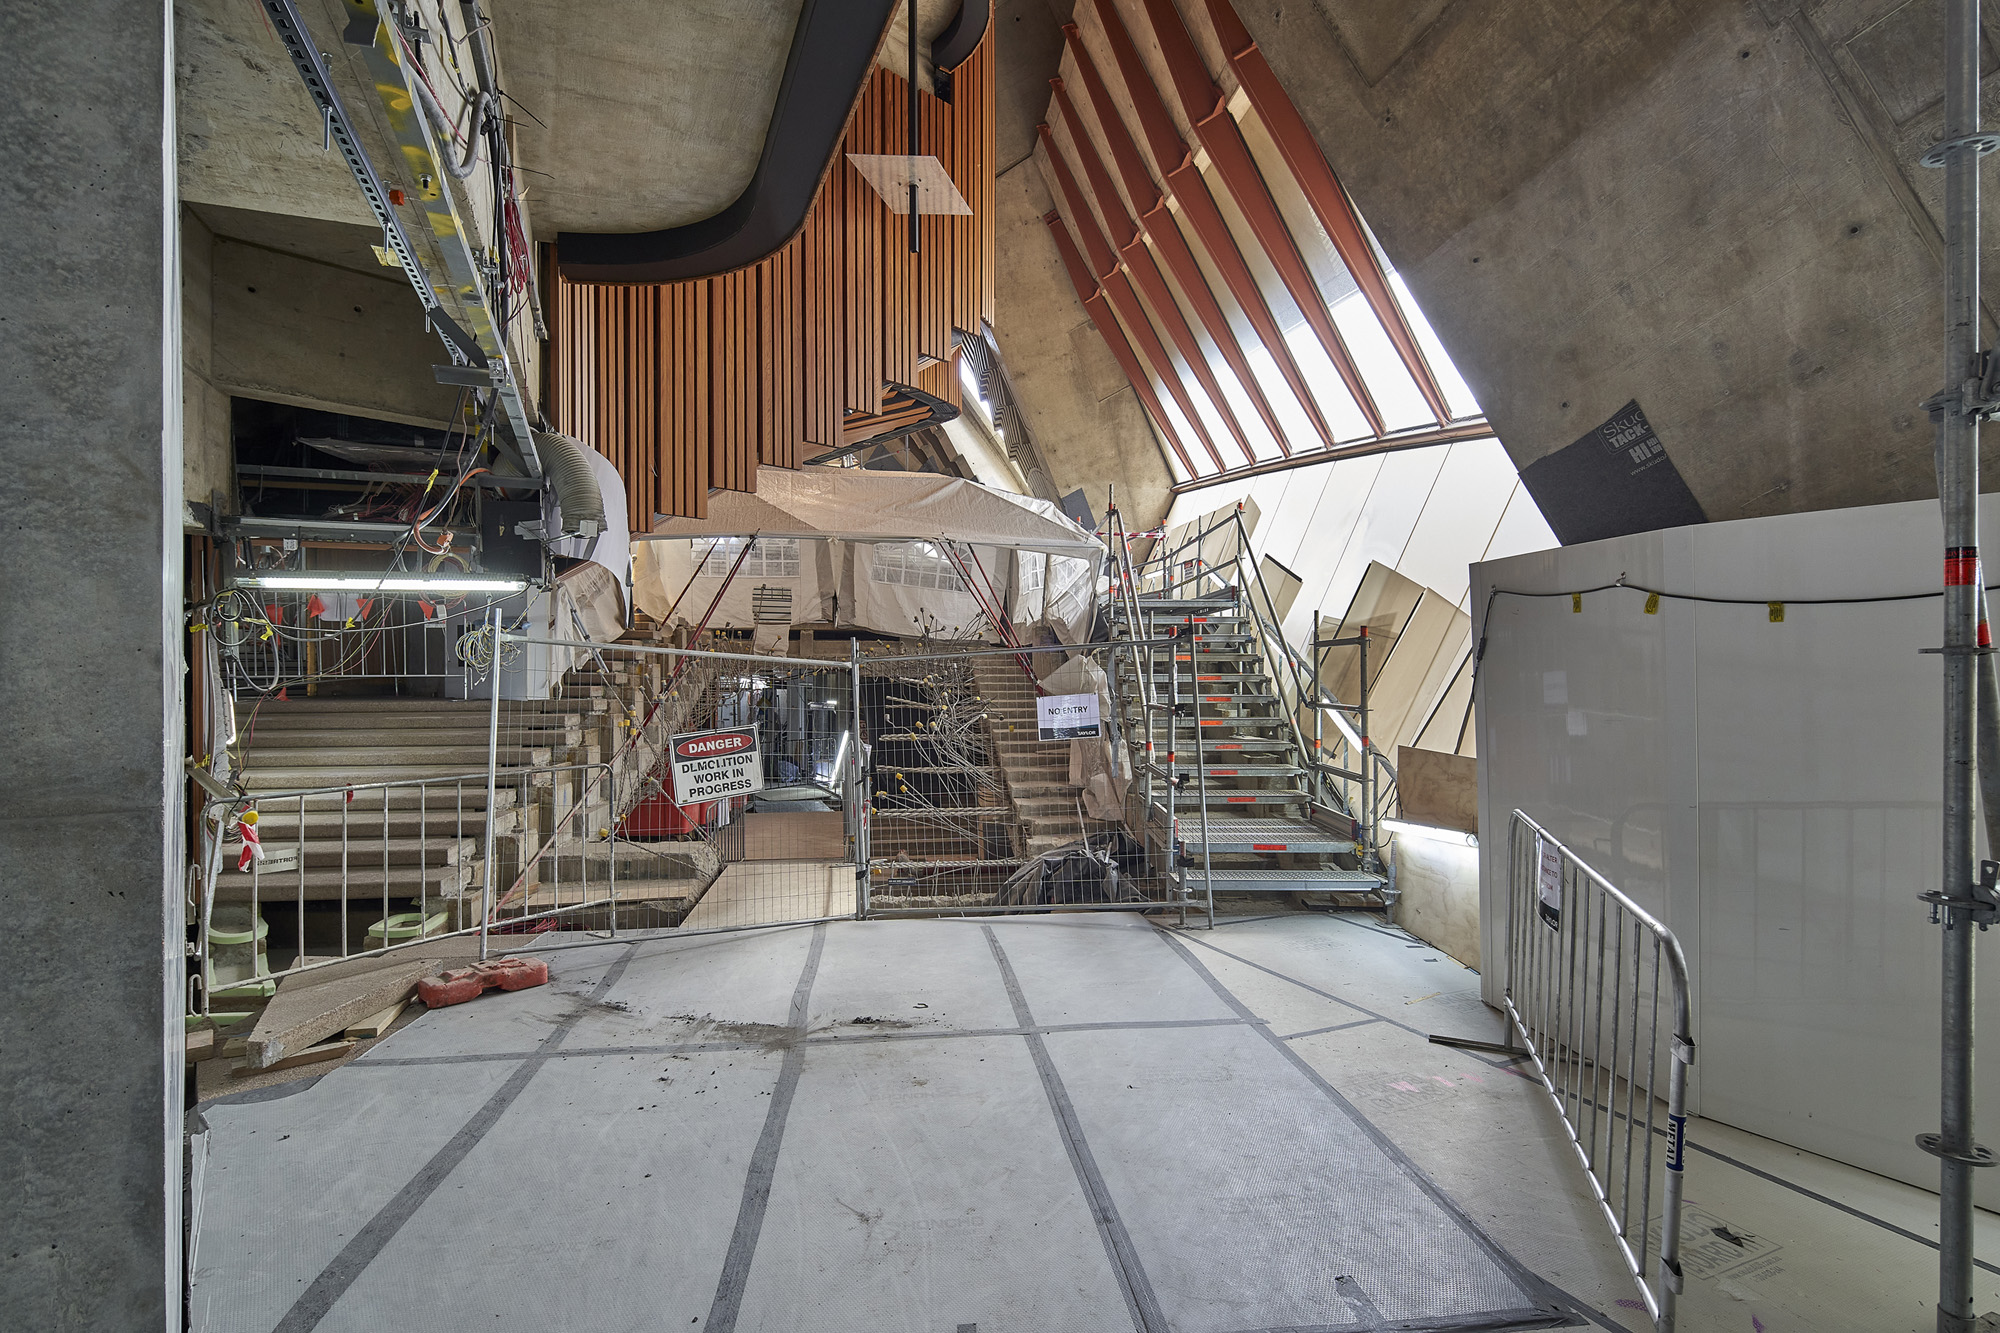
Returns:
point(1049, 1123)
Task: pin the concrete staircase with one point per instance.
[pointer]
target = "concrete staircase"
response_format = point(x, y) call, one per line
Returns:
point(423, 841)
point(422, 845)
point(1047, 806)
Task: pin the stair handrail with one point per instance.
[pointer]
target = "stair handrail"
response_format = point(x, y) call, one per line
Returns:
point(1366, 810)
point(1369, 808)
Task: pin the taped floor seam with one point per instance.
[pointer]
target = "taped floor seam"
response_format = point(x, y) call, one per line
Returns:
point(1140, 1298)
point(318, 1299)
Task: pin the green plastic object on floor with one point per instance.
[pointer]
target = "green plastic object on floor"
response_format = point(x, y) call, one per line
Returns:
point(406, 926)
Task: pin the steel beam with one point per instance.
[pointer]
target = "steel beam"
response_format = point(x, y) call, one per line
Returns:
point(1117, 288)
point(1207, 109)
point(465, 278)
point(1157, 225)
point(1139, 263)
point(1189, 189)
point(1323, 190)
point(1470, 428)
point(1107, 328)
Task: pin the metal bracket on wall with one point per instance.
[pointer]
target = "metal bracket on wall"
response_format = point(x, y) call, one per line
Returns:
point(476, 341)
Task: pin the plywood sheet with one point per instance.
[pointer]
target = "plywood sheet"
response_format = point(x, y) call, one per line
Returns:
point(794, 836)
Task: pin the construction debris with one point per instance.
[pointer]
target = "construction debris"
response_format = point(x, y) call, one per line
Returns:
point(311, 1006)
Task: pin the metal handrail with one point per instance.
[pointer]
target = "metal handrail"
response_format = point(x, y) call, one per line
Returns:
point(1568, 931)
point(1367, 813)
point(217, 812)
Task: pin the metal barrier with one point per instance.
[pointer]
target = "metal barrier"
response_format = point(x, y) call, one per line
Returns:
point(970, 812)
point(904, 779)
point(1589, 973)
point(788, 852)
point(365, 868)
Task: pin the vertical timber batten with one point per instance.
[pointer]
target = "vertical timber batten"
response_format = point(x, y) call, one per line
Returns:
point(690, 386)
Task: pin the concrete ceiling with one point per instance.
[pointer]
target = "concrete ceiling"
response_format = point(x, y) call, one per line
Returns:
point(250, 136)
point(655, 109)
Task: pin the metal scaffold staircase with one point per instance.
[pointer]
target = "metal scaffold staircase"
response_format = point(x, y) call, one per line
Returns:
point(1225, 773)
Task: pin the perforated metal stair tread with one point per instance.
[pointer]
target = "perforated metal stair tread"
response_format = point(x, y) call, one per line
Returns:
point(1186, 604)
point(1280, 879)
point(1226, 797)
point(1244, 836)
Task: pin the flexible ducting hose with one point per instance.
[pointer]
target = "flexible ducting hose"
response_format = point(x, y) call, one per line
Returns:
point(567, 463)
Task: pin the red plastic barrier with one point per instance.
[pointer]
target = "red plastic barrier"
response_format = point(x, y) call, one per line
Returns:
point(658, 817)
point(460, 984)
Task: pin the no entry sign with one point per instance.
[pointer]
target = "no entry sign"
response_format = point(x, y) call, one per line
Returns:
point(1066, 717)
point(709, 765)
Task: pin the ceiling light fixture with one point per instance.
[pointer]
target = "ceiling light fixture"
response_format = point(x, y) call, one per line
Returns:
point(383, 583)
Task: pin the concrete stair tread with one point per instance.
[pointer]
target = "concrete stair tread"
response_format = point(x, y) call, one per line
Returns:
point(279, 823)
point(431, 797)
point(401, 737)
point(365, 702)
point(290, 777)
point(363, 756)
point(361, 884)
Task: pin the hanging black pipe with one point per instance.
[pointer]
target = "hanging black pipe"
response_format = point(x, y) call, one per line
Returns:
point(911, 150)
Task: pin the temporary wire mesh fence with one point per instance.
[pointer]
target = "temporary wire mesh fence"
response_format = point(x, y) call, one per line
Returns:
point(896, 777)
point(1597, 990)
point(708, 856)
point(973, 811)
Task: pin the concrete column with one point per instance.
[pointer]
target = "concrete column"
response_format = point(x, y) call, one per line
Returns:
point(91, 919)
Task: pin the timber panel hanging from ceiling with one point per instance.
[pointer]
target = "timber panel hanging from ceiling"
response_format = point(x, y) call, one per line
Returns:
point(689, 386)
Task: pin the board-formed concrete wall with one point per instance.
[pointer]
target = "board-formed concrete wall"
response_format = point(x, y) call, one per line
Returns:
point(91, 859)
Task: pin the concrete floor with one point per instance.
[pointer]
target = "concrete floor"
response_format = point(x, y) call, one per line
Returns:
point(1050, 1123)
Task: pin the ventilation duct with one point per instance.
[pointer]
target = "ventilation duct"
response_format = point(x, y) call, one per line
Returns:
point(573, 505)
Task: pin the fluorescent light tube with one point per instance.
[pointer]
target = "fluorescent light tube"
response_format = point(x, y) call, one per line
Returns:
point(1448, 835)
point(383, 583)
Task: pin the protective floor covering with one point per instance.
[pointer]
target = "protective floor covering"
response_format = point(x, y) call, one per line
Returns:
point(1057, 1123)
point(762, 893)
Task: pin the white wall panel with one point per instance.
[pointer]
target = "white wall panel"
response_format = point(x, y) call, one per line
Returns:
point(1771, 788)
point(1387, 518)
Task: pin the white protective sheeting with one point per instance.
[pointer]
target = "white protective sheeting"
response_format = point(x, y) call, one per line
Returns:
point(611, 548)
point(872, 550)
point(858, 505)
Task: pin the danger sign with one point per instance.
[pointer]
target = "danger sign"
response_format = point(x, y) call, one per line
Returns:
point(709, 765)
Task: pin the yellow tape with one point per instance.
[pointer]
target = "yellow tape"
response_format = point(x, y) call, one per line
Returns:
point(1652, 604)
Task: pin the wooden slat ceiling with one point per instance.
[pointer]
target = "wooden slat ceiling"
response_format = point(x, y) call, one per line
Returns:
point(688, 387)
